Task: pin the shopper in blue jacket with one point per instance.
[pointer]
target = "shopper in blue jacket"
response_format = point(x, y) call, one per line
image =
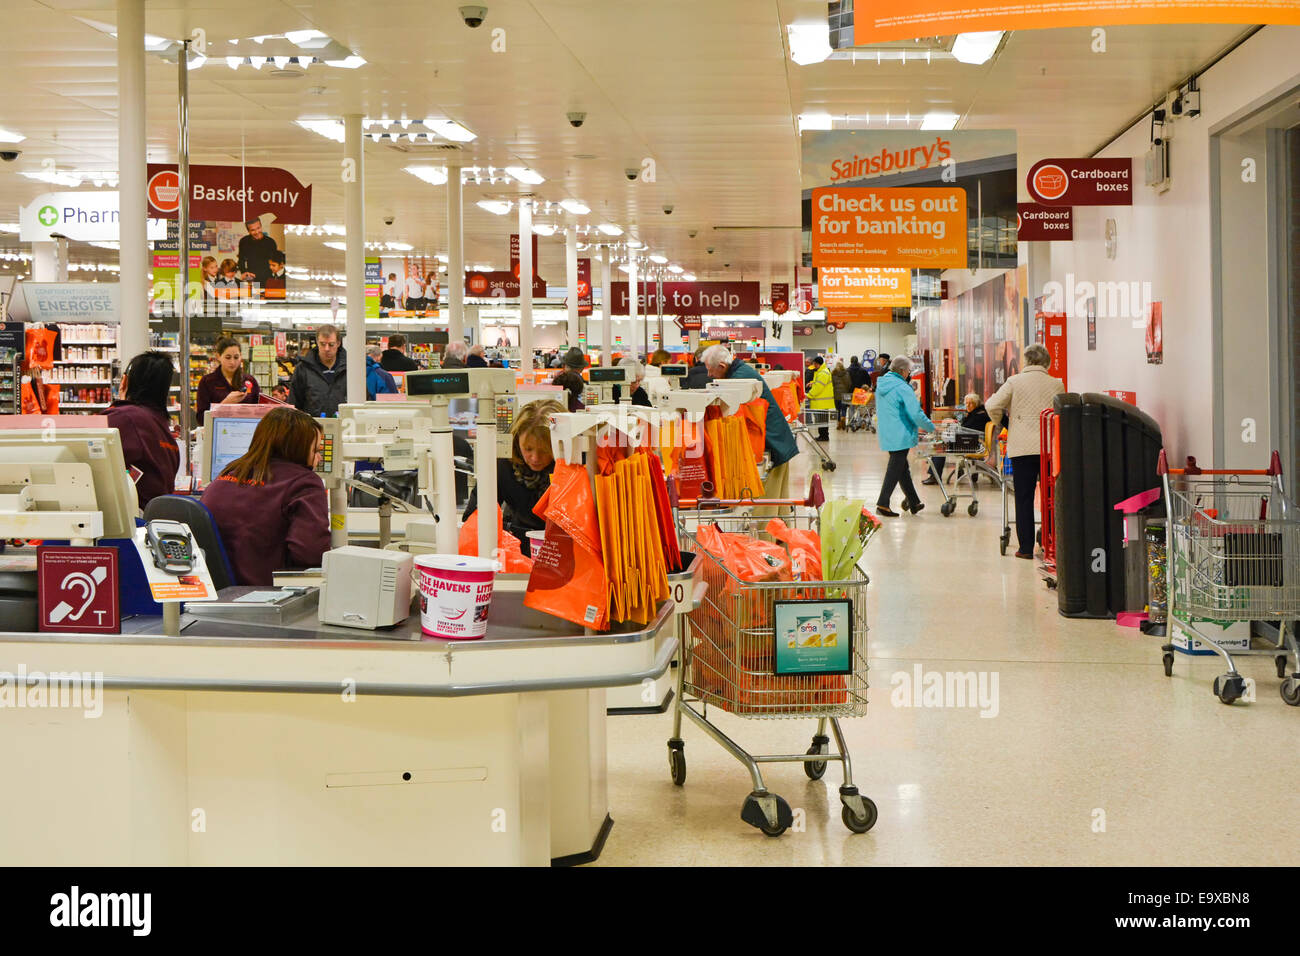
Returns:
point(378, 381)
point(781, 444)
point(898, 416)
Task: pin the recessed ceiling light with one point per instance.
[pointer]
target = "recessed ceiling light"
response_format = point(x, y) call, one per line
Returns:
point(543, 229)
point(939, 121)
point(300, 37)
point(525, 175)
point(433, 175)
point(675, 270)
point(976, 48)
point(689, 277)
point(348, 63)
point(814, 121)
point(330, 129)
point(449, 129)
point(335, 245)
point(609, 229)
point(658, 260)
point(575, 206)
point(635, 244)
point(8, 136)
point(498, 207)
point(810, 42)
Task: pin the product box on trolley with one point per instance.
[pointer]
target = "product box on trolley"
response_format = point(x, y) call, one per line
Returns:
point(1231, 637)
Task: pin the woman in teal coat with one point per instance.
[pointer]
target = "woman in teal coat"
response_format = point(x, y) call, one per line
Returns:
point(898, 417)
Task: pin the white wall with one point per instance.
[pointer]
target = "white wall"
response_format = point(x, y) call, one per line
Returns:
point(1164, 239)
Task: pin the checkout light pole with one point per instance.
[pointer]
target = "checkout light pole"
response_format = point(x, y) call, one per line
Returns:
point(183, 245)
point(526, 288)
point(571, 281)
point(133, 255)
point(455, 256)
point(354, 256)
point(606, 307)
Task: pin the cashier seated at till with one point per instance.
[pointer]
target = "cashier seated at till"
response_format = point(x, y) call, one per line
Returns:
point(140, 417)
point(270, 507)
point(523, 478)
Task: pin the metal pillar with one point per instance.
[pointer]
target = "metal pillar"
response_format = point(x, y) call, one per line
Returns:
point(606, 308)
point(354, 256)
point(571, 281)
point(456, 256)
point(133, 254)
point(526, 287)
point(183, 248)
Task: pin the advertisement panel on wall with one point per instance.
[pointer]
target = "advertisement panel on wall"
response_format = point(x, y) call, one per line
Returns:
point(908, 198)
point(374, 287)
point(886, 20)
point(863, 288)
point(229, 261)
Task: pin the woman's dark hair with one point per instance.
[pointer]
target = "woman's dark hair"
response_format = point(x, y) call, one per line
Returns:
point(284, 433)
point(149, 380)
point(226, 342)
point(572, 381)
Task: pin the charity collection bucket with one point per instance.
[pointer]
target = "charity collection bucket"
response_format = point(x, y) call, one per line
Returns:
point(455, 594)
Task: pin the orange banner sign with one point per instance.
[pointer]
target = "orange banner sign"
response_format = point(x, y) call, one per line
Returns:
point(915, 227)
point(877, 314)
point(858, 288)
point(885, 20)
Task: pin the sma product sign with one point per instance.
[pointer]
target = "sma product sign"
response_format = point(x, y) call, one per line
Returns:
point(814, 637)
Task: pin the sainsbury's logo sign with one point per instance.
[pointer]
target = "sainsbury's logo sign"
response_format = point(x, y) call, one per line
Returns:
point(891, 161)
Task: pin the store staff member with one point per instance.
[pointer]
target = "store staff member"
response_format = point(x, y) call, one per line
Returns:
point(523, 478)
point(270, 507)
point(780, 440)
point(228, 384)
point(140, 417)
point(255, 253)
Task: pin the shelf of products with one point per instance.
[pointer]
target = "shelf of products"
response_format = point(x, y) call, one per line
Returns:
point(10, 381)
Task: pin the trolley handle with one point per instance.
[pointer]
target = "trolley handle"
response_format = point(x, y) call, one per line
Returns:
point(1273, 470)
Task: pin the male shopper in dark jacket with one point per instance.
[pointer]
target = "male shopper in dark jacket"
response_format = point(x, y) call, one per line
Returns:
point(320, 382)
point(394, 358)
point(697, 376)
point(780, 440)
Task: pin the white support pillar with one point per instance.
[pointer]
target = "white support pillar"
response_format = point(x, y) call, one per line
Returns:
point(606, 308)
point(633, 299)
point(61, 259)
point(45, 261)
point(354, 256)
point(571, 281)
point(133, 255)
point(456, 256)
point(526, 286)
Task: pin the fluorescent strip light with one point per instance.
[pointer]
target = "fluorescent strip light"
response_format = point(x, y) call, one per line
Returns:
point(814, 121)
point(675, 270)
point(609, 229)
point(234, 62)
point(525, 175)
point(575, 206)
point(280, 62)
point(543, 229)
point(349, 63)
point(299, 37)
point(498, 207)
point(635, 244)
point(256, 62)
point(341, 246)
point(433, 175)
point(8, 136)
point(154, 44)
point(939, 121)
point(976, 48)
point(659, 260)
point(626, 269)
point(449, 129)
point(330, 129)
point(809, 42)
point(56, 179)
point(688, 277)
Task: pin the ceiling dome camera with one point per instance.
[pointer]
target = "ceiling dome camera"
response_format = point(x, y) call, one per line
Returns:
point(9, 155)
point(631, 173)
point(668, 209)
point(577, 118)
point(473, 16)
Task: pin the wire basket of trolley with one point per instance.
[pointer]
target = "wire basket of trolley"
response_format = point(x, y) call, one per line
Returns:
point(820, 419)
point(858, 414)
point(968, 447)
point(772, 640)
point(1233, 553)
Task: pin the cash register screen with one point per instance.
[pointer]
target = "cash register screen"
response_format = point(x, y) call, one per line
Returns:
point(230, 440)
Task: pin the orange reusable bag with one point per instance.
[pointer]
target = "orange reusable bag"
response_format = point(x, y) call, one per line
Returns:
point(788, 400)
point(805, 549)
point(49, 392)
point(40, 348)
point(755, 414)
point(508, 551)
point(568, 578)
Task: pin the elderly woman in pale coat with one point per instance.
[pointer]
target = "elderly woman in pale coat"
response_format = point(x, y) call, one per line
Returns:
point(1023, 398)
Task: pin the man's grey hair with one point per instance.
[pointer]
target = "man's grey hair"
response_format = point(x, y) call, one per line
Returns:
point(901, 366)
point(971, 397)
point(375, 351)
point(329, 331)
point(634, 372)
point(717, 355)
point(1036, 354)
point(456, 350)
point(476, 350)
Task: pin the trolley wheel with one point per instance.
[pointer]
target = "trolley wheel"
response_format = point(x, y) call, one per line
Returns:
point(1004, 541)
point(752, 813)
point(1169, 664)
point(1280, 662)
point(947, 508)
point(816, 769)
point(973, 508)
point(1291, 691)
point(1229, 687)
point(860, 824)
point(829, 466)
point(677, 761)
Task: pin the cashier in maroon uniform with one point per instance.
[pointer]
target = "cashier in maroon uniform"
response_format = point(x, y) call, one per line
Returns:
point(228, 384)
point(140, 417)
point(270, 507)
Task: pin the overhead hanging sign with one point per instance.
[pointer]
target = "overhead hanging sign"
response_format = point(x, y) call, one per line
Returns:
point(66, 302)
point(514, 253)
point(584, 287)
point(860, 288)
point(690, 298)
point(877, 314)
point(1081, 182)
point(914, 227)
point(502, 285)
point(80, 216)
point(230, 194)
point(886, 20)
point(780, 298)
point(1035, 223)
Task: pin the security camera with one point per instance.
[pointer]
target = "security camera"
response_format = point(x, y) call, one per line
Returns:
point(631, 173)
point(473, 16)
point(693, 233)
point(668, 209)
point(9, 155)
point(577, 118)
point(726, 265)
point(709, 250)
point(388, 220)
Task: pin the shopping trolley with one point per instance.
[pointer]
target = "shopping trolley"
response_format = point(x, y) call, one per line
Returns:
point(858, 416)
point(1233, 549)
point(967, 446)
point(810, 418)
point(728, 661)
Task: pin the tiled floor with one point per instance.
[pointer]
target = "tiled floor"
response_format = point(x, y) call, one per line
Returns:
point(1093, 756)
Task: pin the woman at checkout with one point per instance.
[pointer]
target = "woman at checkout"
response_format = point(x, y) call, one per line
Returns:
point(140, 417)
point(228, 383)
point(269, 506)
point(523, 478)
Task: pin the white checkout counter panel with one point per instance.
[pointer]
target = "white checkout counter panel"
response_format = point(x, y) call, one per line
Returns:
point(293, 742)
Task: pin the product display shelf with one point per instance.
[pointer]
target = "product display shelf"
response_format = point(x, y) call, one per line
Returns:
point(10, 382)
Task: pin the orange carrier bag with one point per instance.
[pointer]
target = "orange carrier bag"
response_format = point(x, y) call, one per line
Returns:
point(568, 578)
point(509, 552)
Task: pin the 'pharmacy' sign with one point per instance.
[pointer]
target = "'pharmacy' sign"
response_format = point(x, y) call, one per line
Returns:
point(82, 216)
